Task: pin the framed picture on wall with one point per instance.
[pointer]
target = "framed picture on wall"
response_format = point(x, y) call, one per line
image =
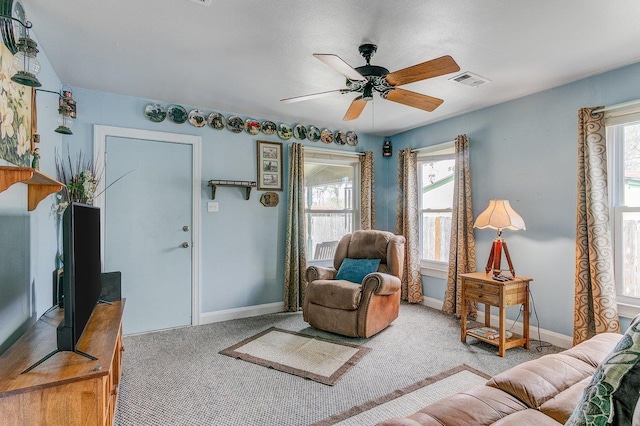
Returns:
point(16, 142)
point(269, 166)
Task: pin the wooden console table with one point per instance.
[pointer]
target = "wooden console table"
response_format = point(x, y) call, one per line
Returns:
point(67, 389)
point(480, 287)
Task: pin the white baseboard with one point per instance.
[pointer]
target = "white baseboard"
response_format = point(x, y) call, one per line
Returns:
point(552, 337)
point(244, 312)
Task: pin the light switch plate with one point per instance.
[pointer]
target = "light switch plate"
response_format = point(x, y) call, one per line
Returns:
point(212, 206)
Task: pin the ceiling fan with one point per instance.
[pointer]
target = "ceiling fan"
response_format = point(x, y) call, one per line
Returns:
point(369, 78)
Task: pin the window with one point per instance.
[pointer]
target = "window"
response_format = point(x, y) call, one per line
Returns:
point(332, 201)
point(435, 185)
point(623, 149)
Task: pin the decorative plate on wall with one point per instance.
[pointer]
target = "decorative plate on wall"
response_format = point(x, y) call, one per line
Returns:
point(269, 199)
point(216, 120)
point(341, 137)
point(235, 124)
point(177, 114)
point(352, 138)
point(314, 134)
point(268, 127)
point(284, 131)
point(155, 112)
point(252, 126)
point(300, 132)
point(326, 136)
point(196, 117)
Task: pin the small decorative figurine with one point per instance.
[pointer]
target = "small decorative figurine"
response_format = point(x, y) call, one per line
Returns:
point(35, 163)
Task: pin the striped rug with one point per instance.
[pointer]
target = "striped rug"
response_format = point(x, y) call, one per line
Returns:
point(410, 399)
point(306, 356)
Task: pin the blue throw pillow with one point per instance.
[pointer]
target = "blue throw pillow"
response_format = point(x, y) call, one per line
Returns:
point(355, 270)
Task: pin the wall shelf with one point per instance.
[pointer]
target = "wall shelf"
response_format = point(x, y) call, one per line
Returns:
point(40, 185)
point(247, 185)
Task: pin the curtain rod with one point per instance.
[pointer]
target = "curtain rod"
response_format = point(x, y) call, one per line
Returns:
point(333, 152)
point(617, 106)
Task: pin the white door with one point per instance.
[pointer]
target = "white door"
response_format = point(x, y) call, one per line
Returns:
point(148, 230)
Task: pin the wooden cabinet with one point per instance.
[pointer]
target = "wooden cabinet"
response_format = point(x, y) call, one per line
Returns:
point(40, 185)
point(480, 287)
point(67, 389)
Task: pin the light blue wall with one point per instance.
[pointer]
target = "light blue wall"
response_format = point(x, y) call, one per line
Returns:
point(526, 151)
point(523, 150)
point(28, 245)
point(242, 246)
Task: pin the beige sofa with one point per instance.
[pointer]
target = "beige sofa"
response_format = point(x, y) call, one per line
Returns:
point(545, 391)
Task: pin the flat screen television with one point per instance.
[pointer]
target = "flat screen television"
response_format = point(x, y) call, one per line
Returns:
point(82, 263)
point(81, 280)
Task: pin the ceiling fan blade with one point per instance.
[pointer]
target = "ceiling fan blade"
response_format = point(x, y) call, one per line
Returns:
point(335, 62)
point(355, 109)
point(413, 99)
point(429, 69)
point(313, 96)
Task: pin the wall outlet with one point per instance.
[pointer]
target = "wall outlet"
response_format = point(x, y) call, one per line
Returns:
point(212, 206)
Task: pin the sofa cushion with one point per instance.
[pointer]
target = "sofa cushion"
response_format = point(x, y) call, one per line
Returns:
point(596, 349)
point(561, 406)
point(480, 405)
point(336, 294)
point(535, 382)
point(613, 393)
point(355, 270)
point(528, 417)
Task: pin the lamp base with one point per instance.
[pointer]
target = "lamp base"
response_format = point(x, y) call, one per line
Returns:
point(493, 264)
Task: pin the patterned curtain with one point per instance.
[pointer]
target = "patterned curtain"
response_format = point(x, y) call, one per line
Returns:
point(367, 195)
point(295, 260)
point(595, 308)
point(407, 224)
point(462, 253)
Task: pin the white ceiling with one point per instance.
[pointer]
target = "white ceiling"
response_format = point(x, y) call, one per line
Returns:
point(243, 56)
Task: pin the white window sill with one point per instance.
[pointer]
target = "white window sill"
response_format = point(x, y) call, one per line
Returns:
point(627, 310)
point(430, 268)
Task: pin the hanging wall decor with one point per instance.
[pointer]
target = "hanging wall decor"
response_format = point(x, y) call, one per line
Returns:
point(269, 166)
point(15, 114)
point(269, 199)
point(156, 113)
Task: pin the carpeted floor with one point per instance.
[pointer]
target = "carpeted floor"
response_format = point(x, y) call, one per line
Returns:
point(177, 377)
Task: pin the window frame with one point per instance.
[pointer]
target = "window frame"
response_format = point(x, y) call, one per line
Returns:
point(628, 306)
point(335, 159)
point(442, 151)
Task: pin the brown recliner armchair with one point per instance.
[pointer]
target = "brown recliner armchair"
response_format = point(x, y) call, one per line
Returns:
point(357, 309)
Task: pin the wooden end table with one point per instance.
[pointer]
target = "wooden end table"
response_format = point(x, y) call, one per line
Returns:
point(480, 287)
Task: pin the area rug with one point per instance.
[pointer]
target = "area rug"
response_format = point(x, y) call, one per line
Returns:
point(306, 356)
point(410, 399)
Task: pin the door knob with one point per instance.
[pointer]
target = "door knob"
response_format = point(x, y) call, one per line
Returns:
point(185, 228)
point(185, 245)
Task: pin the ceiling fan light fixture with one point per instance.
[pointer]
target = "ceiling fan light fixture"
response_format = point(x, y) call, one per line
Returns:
point(367, 93)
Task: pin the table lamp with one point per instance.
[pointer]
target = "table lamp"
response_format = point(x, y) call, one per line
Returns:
point(499, 215)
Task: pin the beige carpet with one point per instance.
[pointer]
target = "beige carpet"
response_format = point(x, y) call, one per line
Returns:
point(306, 356)
point(408, 400)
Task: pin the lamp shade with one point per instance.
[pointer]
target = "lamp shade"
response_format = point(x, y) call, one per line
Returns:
point(499, 215)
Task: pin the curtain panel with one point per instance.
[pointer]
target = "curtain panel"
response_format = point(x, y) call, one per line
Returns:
point(295, 262)
point(595, 306)
point(367, 194)
point(407, 224)
point(462, 252)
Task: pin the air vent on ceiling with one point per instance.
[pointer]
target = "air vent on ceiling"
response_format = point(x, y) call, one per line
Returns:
point(470, 79)
point(203, 2)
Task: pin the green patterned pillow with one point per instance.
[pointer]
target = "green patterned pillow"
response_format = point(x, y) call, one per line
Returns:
point(612, 395)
